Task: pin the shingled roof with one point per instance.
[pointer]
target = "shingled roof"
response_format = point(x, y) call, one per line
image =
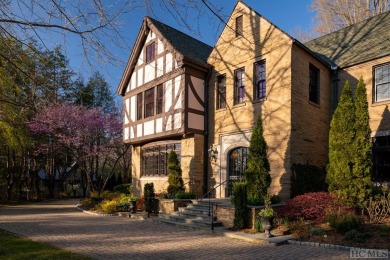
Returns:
point(188, 46)
point(363, 41)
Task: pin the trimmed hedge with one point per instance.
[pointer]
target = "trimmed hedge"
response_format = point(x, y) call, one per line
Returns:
point(240, 201)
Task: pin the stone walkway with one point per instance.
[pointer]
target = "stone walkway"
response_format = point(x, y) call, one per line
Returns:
point(111, 237)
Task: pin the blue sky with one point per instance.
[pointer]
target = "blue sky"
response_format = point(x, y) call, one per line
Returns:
point(289, 15)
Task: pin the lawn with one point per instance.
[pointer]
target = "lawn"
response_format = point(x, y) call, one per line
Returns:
point(14, 247)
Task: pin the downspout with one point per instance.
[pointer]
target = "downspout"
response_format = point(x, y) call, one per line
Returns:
point(206, 132)
point(335, 86)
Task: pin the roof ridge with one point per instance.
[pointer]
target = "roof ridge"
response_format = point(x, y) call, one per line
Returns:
point(350, 26)
point(153, 20)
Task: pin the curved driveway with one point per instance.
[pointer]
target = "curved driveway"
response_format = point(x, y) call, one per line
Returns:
point(60, 224)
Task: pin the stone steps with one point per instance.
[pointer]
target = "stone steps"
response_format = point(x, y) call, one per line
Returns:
point(195, 215)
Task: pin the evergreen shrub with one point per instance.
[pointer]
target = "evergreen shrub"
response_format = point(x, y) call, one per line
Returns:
point(240, 203)
point(149, 197)
point(344, 222)
point(307, 178)
point(175, 181)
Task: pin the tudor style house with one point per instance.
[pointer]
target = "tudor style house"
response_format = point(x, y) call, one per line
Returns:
point(163, 89)
point(180, 94)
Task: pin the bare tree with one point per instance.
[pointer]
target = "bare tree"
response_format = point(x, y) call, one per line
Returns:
point(336, 14)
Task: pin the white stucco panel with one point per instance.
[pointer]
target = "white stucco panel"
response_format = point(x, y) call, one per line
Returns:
point(199, 88)
point(132, 108)
point(149, 128)
point(195, 121)
point(141, 58)
point(168, 126)
point(140, 76)
point(139, 130)
point(160, 47)
point(150, 71)
point(159, 124)
point(151, 36)
point(131, 132)
point(133, 80)
point(178, 102)
point(127, 111)
point(160, 66)
point(125, 133)
point(177, 121)
point(168, 62)
point(168, 95)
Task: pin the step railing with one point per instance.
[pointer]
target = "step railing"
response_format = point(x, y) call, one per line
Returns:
point(211, 212)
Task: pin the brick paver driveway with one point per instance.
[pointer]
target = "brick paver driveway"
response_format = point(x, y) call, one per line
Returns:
point(60, 224)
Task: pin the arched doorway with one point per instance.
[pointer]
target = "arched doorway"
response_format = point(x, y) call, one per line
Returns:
point(237, 166)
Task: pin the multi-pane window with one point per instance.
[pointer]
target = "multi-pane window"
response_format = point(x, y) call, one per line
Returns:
point(154, 159)
point(139, 106)
point(239, 91)
point(150, 52)
point(260, 81)
point(221, 92)
point(314, 84)
point(382, 82)
point(149, 102)
point(159, 99)
point(239, 26)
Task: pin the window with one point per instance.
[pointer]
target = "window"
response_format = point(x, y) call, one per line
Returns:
point(221, 92)
point(237, 166)
point(149, 102)
point(260, 81)
point(239, 86)
point(139, 106)
point(382, 83)
point(239, 26)
point(314, 84)
point(150, 52)
point(160, 97)
point(154, 159)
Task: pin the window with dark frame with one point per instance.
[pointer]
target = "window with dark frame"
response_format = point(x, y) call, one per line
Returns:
point(260, 80)
point(382, 82)
point(159, 99)
point(139, 106)
point(150, 52)
point(221, 92)
point(314, 84)
point(149, 102)
point(239, 26)
point(154, 159)
point(239, 91)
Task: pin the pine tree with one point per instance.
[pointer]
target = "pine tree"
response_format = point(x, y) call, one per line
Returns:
point(363, 158)
point(257, 174)
point(341, 143)
point(175, 180)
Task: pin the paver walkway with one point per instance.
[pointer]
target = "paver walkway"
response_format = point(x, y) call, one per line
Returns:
point(60, 224)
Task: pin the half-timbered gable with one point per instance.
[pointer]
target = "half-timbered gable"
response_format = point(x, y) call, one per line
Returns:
point(163, 89)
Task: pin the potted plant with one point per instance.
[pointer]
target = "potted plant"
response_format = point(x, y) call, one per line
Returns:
point(267, 215)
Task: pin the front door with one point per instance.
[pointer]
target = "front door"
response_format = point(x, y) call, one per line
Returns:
point(237, 166)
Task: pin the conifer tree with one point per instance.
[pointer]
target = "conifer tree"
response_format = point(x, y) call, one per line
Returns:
point(175, 180)
point(341, 147)
point(257, 174)
point(363, 158)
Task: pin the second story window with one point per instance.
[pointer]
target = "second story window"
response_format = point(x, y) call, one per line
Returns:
point(139, 106)
point(239, 90)
point(382, 82)
point(260, 81)
point(239, 26)
point(149, 102)
point(314, 84)
point(221, 92)
point(150, 52)
point(159, 99)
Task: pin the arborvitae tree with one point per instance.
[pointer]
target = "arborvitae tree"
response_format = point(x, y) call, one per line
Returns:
point(240, 204)
point(362, 170)
point(175, 180)
point(257, 174)
point(341, 148)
